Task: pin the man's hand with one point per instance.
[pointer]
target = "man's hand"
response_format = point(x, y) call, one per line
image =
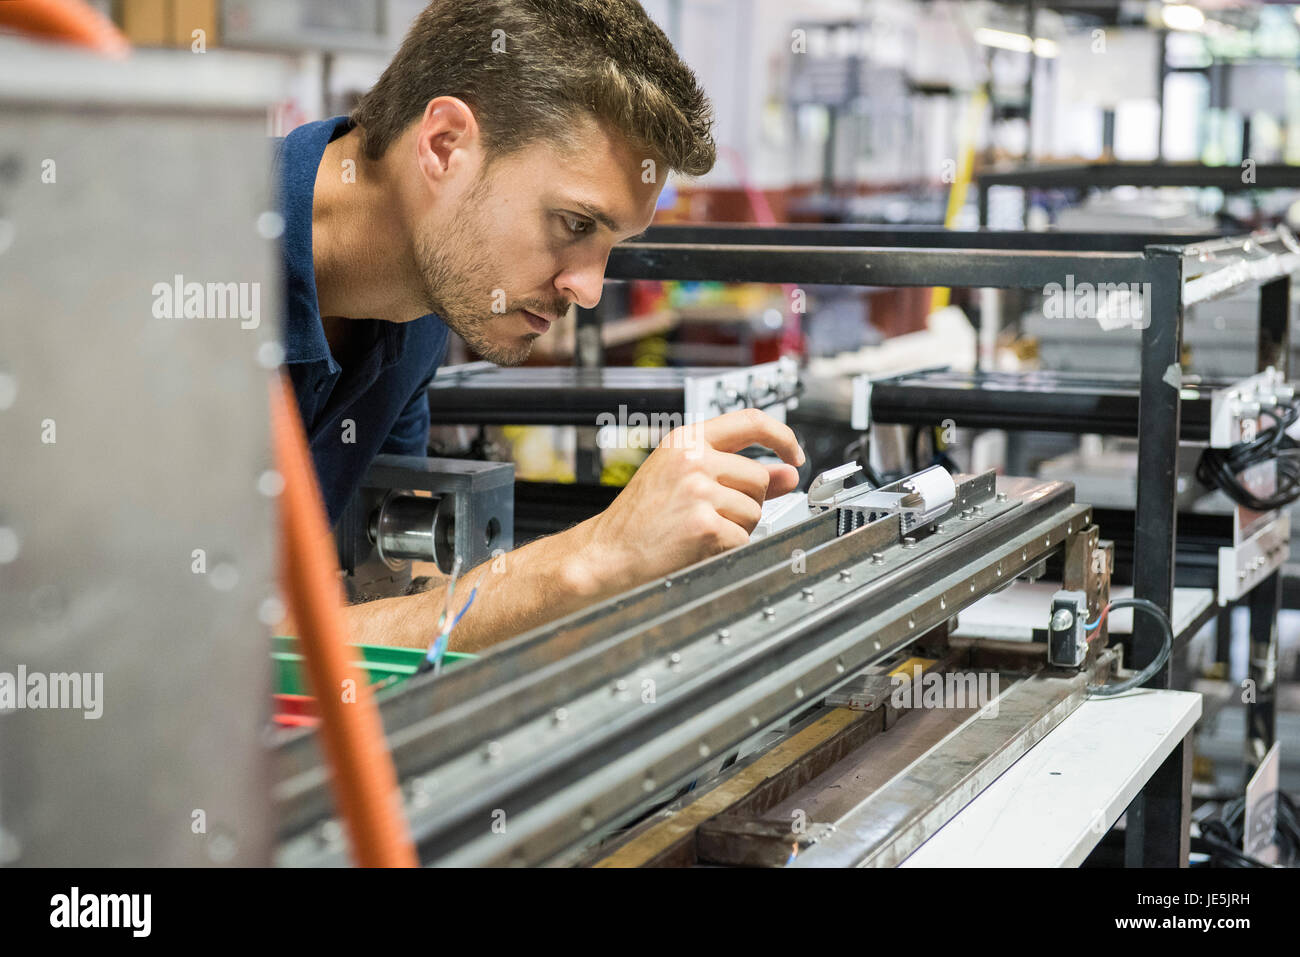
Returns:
point(692, 498)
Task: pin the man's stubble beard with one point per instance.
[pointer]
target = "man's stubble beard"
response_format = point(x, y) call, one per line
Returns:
point(459, 285)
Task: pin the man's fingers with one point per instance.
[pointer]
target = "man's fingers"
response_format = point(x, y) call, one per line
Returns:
point(737, 507)
point(744, 475)
point(782, 479)
point(745, 427)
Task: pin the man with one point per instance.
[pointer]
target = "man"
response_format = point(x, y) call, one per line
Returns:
point(479, 187)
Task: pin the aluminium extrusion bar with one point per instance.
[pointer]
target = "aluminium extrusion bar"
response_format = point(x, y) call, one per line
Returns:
point(1223, 267)
point(728, 660)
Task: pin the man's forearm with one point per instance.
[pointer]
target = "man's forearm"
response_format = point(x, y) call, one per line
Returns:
point(540, 582)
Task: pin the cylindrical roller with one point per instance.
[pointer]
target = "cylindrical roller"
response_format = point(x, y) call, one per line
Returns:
point(409, 527)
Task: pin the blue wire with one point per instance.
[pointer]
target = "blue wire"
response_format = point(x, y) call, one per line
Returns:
point(439, 646)
point(472, 592)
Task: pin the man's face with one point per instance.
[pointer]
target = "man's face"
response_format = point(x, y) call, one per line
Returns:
point(529, 237)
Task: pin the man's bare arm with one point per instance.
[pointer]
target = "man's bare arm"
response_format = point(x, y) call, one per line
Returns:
point(539, 582)
point(692, 498)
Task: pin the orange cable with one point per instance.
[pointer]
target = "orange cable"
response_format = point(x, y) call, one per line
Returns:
point(73, 21)
point(352, 736)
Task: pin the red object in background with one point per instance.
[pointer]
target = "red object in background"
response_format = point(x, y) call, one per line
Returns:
point(295, 711)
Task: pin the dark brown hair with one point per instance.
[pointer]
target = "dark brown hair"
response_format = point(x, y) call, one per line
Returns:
point(563, 61)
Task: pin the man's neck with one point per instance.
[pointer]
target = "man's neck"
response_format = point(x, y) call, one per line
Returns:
point(361, 251)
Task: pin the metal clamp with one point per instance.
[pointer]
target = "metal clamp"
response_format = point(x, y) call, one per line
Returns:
point(916, 500)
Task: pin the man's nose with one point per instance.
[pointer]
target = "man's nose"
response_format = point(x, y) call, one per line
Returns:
point(583, 282)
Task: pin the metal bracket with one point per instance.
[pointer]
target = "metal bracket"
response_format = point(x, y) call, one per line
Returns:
point(773, 387)
point(1235, 410)
point(916, 500)
point(1247, 562)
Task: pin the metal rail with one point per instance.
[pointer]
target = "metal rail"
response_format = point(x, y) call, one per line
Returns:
point(1178, 273)
point(576, 725)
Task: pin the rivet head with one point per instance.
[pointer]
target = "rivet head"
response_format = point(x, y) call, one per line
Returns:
point(909, 542)
point(724, 636)
point(560, 716)
point(675, 660)
point(769, 612)
point(1001, 496)
point(877, 558)
point(620, 686)
point(845, 574)
point(807, 594)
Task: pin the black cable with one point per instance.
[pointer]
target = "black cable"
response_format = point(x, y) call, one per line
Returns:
point(1221, 468)
point(1151, 608)
point(1223, 854)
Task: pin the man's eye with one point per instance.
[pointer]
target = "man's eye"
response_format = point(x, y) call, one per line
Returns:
point(577, 226)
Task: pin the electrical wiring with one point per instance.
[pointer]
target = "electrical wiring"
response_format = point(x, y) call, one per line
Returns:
point(1221, 468)
point(1221, 837)
point(433, 660)
point(1143, 676)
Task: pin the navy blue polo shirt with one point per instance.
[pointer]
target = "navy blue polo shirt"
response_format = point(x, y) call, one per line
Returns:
point(378, 403)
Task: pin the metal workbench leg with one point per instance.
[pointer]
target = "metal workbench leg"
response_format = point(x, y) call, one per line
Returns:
point(1223, 640)
point(1158, 821)
point(588, 353)
point(1261, 714)
point(1266, 597)
point(1275, 325)
point(1158, 425)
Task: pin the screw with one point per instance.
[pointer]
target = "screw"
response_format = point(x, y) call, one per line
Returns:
point(909, 542)
point(561, 715)
point(938, 528)
point(769, 612)
point(675, 660)
point(877, 558)
point(493, 751)
point(845, 574)
point(724, 636)
point(620, 686)
point(807, 594)
point(1001, 496)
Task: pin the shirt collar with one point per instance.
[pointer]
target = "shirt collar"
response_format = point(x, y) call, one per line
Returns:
point(300, 156)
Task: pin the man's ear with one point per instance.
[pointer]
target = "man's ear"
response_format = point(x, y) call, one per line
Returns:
point(446, 138)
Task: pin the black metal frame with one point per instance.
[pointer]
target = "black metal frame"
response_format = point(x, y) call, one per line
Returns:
point(856, 255)
point(1109, 175)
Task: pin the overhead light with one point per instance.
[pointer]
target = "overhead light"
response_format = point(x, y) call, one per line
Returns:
point(1182, 16)
point(1018, 42)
